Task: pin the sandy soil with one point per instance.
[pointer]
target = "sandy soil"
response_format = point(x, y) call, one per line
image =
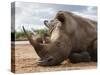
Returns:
point(26, 61)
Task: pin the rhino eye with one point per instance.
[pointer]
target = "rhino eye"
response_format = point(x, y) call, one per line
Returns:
point(58, 44)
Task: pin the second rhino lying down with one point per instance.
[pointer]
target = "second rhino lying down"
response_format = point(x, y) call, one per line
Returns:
point(71, 37)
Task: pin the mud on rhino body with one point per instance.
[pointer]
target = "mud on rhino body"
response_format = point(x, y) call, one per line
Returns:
point(71, 37)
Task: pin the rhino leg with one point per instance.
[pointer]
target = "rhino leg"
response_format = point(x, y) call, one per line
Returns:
point(80, 57)
point(93, 51)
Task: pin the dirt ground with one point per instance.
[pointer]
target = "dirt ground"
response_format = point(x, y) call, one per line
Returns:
point(26, 61)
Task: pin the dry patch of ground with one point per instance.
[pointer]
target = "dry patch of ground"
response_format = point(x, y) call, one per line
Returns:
point(26, 61)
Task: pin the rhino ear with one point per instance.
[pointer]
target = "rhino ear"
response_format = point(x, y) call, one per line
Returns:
point(61, 17)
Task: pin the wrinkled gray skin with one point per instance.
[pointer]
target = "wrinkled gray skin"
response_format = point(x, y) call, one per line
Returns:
point(71, 37)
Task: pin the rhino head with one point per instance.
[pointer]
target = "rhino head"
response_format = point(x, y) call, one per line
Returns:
point(58, 49)
point(50, 54)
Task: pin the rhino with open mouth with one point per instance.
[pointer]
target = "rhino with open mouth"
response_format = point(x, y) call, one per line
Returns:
point(71, 37)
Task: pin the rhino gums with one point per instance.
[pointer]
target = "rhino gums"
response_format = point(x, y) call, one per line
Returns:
point(72, 37)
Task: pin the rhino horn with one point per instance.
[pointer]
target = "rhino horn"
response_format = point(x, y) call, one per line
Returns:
point(33, 31)
point(38, 47)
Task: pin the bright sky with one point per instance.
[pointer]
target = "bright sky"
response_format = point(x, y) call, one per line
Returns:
point(32, 15)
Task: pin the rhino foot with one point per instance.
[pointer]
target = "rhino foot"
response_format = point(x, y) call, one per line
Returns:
point(80, 57)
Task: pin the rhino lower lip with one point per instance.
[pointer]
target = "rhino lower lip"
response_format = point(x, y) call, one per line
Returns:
point(41, 61)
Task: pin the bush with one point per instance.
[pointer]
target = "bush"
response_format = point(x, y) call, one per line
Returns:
point(19, 36)
point(41, 32)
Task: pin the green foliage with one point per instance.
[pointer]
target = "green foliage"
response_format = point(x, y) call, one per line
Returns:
point(41, 32)
point(21, 35)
